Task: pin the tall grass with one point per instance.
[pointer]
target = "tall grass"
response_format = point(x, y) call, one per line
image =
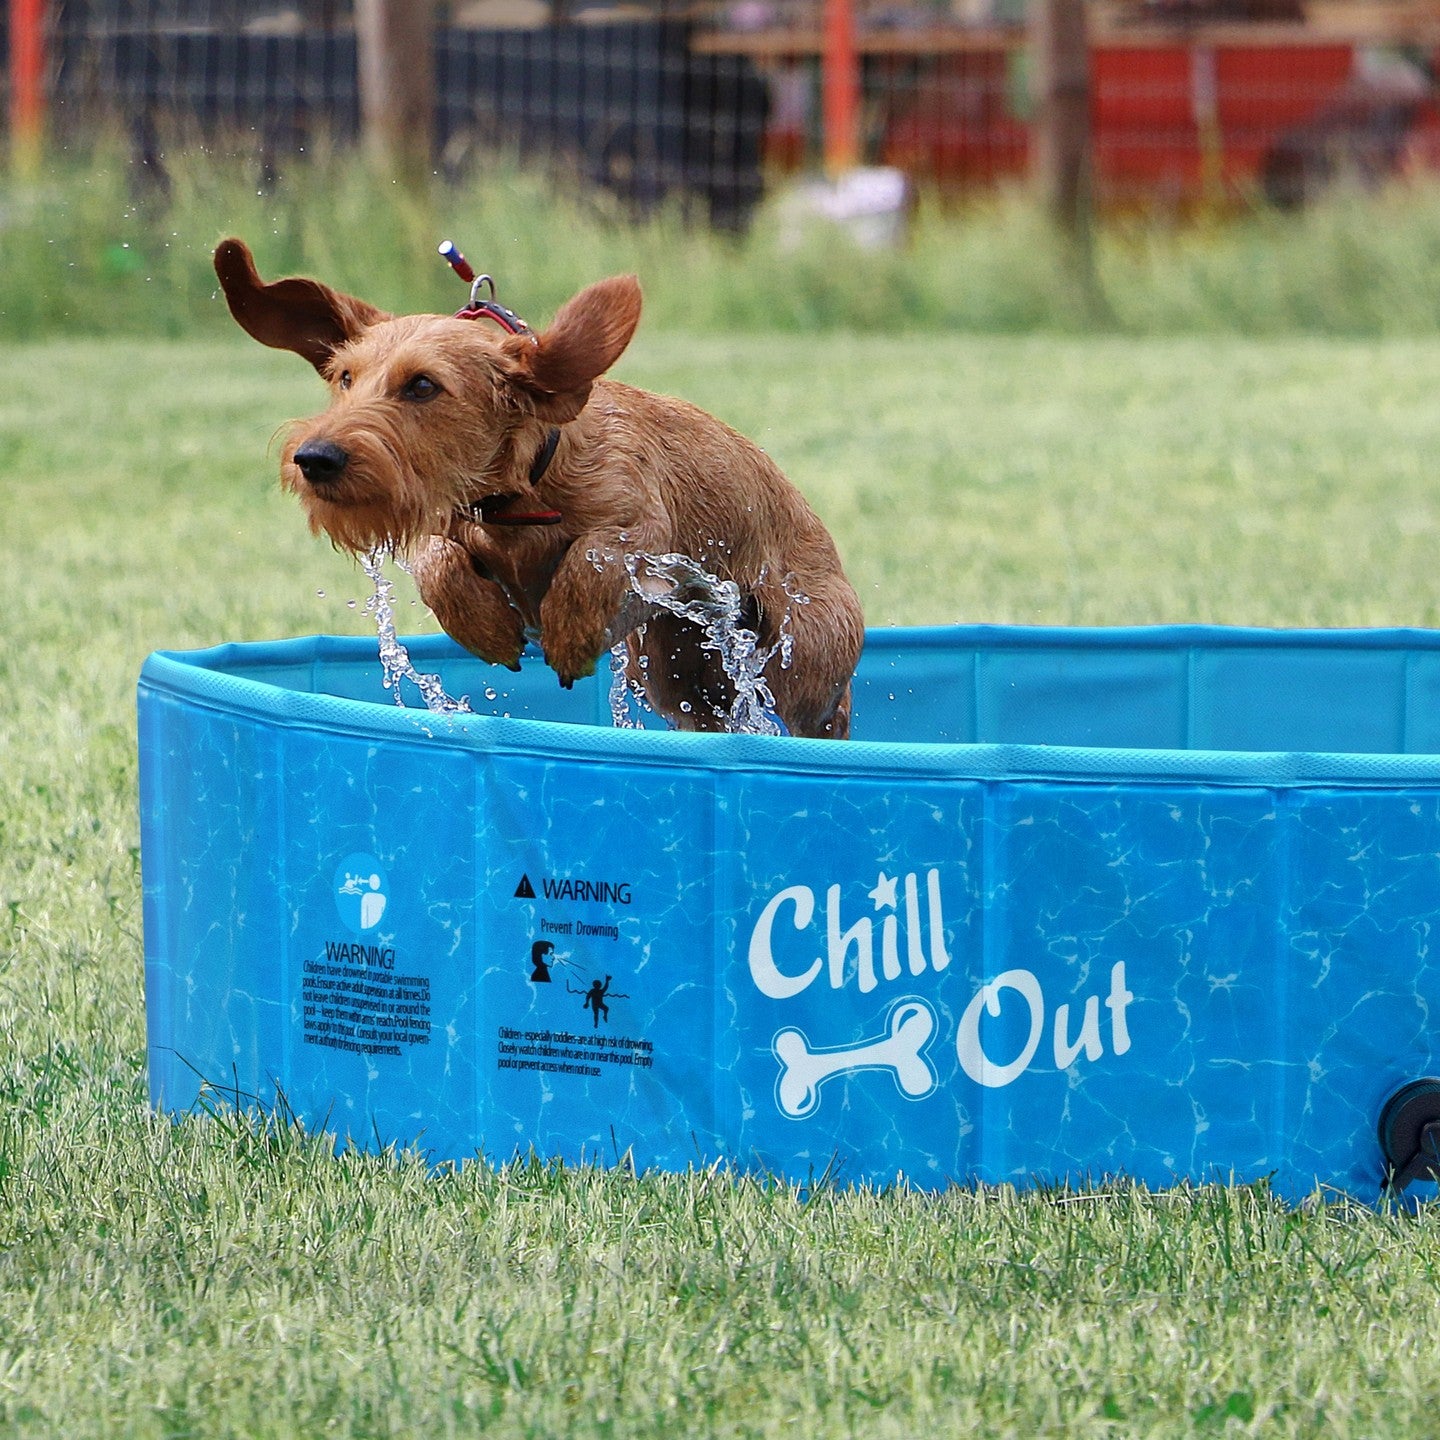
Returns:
point(96, 246)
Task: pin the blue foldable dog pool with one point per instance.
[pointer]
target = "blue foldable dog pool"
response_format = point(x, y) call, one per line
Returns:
point(1157, 902)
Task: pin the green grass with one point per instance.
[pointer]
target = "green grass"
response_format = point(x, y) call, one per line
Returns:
point(221, 1278)
point(88, 248)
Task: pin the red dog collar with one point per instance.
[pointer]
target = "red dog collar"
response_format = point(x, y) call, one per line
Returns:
point(480, 510)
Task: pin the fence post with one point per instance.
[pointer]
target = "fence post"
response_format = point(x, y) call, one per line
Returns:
point(840, 88)
point(397, 83)
point(27, 84)
point(1060, 57)
point(1061, 141)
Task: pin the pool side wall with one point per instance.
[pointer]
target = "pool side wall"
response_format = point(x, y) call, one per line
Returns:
point(974, 961)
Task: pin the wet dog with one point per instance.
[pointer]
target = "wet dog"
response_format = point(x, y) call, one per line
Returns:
point(522, 486)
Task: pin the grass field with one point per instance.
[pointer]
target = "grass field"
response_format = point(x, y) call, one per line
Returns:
point(219, 1278)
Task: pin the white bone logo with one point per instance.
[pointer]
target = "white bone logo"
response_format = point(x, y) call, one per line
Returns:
point(900, 1050)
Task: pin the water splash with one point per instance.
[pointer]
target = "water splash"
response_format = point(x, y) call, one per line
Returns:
point(395, 662)
point(623, 687)
point(684, 588)
point(673, 583)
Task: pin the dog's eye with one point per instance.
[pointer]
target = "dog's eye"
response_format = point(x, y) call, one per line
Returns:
point(422, 387)
point(344, 379)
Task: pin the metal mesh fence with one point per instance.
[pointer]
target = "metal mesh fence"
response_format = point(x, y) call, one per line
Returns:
point(1190, 99)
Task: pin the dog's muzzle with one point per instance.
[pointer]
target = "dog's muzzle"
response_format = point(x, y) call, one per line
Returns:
point(321, 461)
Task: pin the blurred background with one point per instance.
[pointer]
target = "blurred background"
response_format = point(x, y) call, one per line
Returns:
point(1262, 166)
point(1165, 103)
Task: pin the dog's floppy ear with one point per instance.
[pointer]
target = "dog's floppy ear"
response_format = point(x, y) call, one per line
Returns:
point(294, 314)
point(556, 370)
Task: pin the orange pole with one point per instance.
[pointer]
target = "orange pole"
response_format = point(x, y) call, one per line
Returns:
point(27, 83)
point(840, 88)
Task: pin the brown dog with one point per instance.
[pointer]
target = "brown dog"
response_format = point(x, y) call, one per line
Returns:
point(520, 483)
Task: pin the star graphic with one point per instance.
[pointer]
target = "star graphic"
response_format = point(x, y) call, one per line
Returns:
point(884, 892)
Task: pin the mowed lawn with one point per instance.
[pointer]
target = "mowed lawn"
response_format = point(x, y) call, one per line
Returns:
point(218, 1277)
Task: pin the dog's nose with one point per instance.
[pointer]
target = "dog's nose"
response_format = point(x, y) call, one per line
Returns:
point(321, 461)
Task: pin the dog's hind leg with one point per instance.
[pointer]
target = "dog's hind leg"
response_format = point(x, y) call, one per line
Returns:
point(682, 681)
point(827, 629)
point(470, 608)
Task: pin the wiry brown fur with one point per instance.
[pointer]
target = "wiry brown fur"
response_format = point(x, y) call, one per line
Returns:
point(632, 473)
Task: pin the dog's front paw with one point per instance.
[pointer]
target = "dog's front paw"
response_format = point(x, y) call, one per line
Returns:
point(469, 607)
point(572, 650)
point(569, 676)
point(580, 616)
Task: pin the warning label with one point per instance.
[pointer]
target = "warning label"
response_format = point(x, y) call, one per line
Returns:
point(367, 1011)
point(560, 1052)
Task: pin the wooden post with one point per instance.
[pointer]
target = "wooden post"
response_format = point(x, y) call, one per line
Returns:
point(1061, 141)
point(1060, 159)
point(27, 84)
point(840, 88)
point(397, 84)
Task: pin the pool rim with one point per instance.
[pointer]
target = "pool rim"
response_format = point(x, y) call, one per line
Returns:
point(205, 677)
